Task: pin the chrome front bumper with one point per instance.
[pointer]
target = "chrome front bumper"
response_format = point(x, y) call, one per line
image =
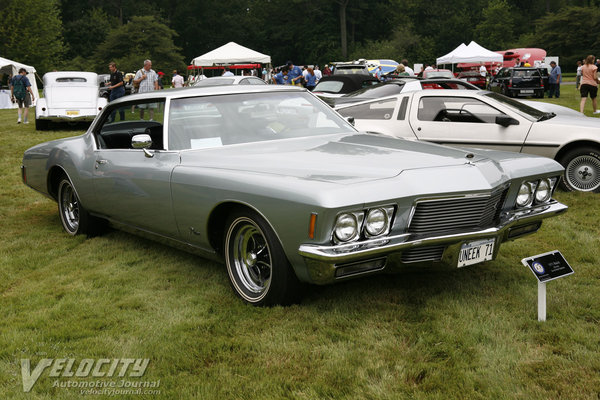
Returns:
point(323, 261)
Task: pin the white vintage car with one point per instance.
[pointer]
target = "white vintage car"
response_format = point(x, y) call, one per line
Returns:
point(489, 120)
point(68, 96)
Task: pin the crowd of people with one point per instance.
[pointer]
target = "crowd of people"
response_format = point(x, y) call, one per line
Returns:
point(291, 74)
point(146, 79)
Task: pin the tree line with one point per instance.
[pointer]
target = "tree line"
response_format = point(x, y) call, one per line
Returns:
point(87, 34)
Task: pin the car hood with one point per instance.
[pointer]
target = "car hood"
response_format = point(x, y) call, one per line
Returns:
point(555, 108)
point(342, 159)
point(569, 122)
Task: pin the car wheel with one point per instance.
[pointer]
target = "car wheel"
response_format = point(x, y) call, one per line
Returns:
point(75, 219)
point(582, 170)
point(257, 266)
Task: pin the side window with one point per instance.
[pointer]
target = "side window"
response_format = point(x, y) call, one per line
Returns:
point(456, 109)
point(383, 109)
point(126, 120)
point(403, 107)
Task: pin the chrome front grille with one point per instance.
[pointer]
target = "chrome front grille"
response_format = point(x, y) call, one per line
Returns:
point(452, 214)
point(427, 253)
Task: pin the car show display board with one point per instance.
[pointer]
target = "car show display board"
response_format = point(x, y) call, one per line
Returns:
point(547, 267)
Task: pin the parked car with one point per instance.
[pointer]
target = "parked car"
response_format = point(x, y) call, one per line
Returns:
point(229, 80)
point(338, 85)
point(68, 96)
point(474, 78)
point(284, 190)
point(350, 67)
point(437, 73)
point(492, 121)
point(104, 82)
point(396, 86)
point(518, 82)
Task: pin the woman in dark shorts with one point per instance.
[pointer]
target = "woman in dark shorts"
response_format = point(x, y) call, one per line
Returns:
point(589, 83)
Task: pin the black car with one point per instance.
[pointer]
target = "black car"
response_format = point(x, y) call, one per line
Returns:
point(518, 82)
point(396, 86)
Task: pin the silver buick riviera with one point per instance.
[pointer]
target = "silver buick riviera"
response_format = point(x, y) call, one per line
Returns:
point(284, 190)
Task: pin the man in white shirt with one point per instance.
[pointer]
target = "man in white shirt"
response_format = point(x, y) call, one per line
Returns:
point(318, 73)
point(147, 80)
point(482, 70)
point(227, 72)
point(177, 80)
point(411, 72)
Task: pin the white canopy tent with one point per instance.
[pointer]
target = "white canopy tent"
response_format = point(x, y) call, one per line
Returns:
point(10, 67)
point(448, 58)
point(231, 53)
point(470, 54)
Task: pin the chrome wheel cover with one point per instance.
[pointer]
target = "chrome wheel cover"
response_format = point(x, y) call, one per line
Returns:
point(583, 173)
point(69, 208)
point(248, 259)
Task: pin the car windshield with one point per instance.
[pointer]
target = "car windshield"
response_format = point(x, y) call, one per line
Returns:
point(525, 110)
point(215, 82)
point(375, 91)
point(329, 86)
point(348, 70)
point(439, 74)
point(215, 121)
point(526, 73)
point(71, 80)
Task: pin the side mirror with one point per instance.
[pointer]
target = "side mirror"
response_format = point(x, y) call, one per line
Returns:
point(142, 141)
point(505, 120)
point(350, 120)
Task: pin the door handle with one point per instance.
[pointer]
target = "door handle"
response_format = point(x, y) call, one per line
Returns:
point(98, 162)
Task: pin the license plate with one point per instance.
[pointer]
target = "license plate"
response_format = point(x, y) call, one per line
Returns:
point(72, 112)
point(527, 91)
point(475, 252)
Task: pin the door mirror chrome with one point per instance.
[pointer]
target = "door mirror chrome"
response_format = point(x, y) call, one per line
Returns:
point(142, 141)
point(350, 120)
point(505, 120)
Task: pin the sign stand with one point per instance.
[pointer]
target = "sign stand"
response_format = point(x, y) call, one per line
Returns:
point(541, 301)
point(546, 267)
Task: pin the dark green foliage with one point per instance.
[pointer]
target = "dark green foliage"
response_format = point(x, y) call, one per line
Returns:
point(570, 33)
point(305, 31)
point(31, 33)
point(141, 38)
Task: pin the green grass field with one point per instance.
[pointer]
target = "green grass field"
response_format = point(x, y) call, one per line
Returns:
point(429, 333)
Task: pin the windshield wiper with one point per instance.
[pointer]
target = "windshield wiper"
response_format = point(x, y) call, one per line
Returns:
point(546, 116)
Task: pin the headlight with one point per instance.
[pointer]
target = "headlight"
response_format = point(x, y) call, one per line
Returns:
point(378, 221)
point(346, 227)
point(525, 196)
point(544, 191)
